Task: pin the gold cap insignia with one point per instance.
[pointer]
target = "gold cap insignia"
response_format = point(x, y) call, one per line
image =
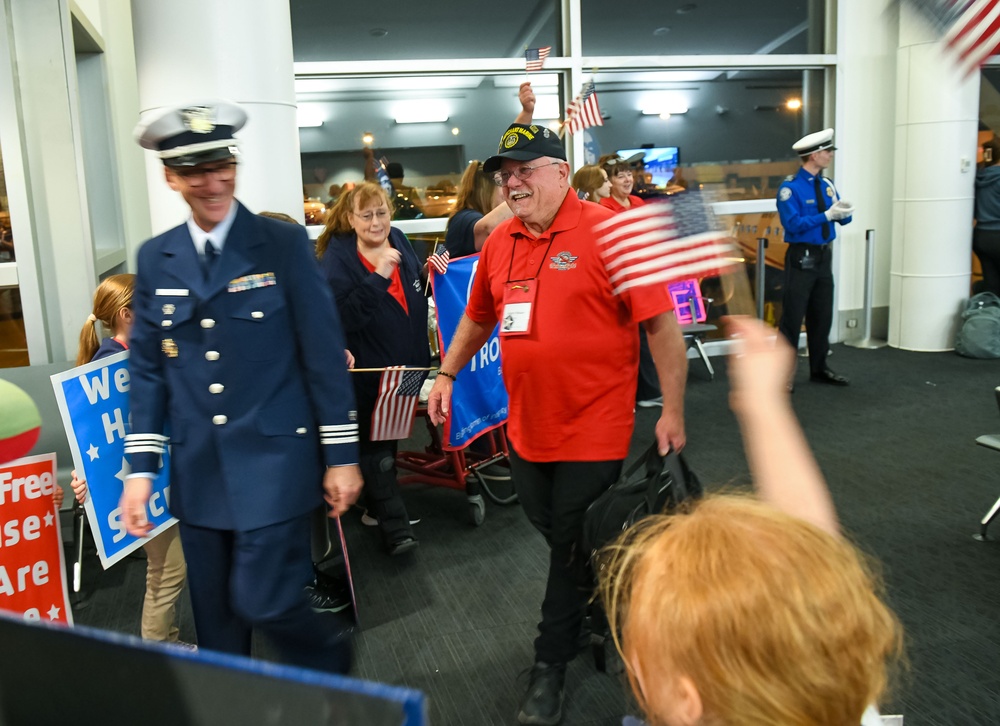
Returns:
point(199, 119)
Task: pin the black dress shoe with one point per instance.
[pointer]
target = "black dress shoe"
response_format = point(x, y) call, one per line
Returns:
point(542, 704)
point(828, 376)
point(403, 545)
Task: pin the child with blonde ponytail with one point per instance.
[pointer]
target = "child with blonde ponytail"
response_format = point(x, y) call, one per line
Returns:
point(166, 570)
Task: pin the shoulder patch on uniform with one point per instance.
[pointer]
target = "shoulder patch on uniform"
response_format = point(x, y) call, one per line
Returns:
point(784, 194)
point(790, 177)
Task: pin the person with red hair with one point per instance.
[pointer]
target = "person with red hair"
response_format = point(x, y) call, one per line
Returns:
point(747, 610)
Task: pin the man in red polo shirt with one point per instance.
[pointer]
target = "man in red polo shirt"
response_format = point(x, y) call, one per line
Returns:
point(570, 351)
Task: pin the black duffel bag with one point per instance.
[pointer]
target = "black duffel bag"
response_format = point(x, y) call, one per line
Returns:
point(654, 484)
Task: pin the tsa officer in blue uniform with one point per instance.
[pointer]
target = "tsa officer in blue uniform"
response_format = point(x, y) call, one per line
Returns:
point(238, 352)
point(808, 205)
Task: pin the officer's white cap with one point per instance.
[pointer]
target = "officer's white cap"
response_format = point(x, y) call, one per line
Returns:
point(192, 134)
point(814, 142)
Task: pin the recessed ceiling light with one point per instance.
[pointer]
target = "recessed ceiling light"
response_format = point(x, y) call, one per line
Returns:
point(661, 30)
point(378, 32)
point(686, 8)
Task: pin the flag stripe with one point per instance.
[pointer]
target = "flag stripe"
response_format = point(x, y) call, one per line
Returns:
point(663, 242)
point(399, 390)
point(439, 261)
point(534, 58)
point(584, 111)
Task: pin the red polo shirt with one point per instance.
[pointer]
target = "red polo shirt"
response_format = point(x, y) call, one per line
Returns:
point(571, 381)
point(612, 203)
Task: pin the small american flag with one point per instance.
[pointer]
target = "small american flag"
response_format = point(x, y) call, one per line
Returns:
point(971, 28)
point(439, 261)
point(583, 110)
point(534, 58)
point(664, 241)
point(398, 392)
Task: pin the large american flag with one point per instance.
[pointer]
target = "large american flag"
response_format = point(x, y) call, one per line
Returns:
point(583, 110)
point(534, 58)
point(971, 28)
point(664, 241)
point(398, 392)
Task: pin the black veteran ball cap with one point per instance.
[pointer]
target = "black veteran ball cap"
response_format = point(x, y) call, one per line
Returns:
point(814, 142)
point(525, 143)
point(193, 134)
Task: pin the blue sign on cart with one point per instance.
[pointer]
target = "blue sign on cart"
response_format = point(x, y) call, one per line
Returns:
point(479, 398)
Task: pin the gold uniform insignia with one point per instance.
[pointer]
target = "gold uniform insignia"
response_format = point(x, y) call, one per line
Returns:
point(199, 119)
point(169, 347)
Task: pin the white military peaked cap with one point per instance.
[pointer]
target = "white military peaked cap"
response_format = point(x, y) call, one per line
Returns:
point(812, 143)
point(192, 134)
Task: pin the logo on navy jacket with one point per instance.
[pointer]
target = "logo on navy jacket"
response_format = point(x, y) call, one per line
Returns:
point(563, 261)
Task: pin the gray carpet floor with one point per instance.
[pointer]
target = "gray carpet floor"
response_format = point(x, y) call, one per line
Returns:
point(456, 618)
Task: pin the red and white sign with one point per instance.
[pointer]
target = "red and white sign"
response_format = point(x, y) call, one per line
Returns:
point(32, 568)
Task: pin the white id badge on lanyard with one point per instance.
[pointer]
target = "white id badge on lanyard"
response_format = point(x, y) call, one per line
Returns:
point(518, 306)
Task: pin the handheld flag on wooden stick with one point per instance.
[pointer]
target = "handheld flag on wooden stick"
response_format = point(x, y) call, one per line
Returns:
point(661, 242)
point(398, 393)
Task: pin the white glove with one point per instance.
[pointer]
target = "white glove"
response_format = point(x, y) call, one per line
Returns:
point(840, 209)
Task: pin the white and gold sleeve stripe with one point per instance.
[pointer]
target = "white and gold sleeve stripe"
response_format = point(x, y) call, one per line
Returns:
point(339, 434)
point(145, 443)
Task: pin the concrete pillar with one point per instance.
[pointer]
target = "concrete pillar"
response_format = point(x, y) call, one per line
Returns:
point(935, 152)
point(240, 50)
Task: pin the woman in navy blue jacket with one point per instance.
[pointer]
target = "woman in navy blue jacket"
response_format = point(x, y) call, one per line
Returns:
point(377, 282)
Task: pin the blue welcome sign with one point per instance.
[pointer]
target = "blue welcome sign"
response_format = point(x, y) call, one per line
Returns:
point(93, 401)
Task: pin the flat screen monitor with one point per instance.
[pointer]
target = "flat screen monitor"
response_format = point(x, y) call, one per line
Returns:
point(660, 162)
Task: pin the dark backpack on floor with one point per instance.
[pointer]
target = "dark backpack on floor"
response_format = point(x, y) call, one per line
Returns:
point(979, 334)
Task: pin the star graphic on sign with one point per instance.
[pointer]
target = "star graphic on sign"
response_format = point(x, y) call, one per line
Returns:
point(92, 452)
point(53, 612)
point(49, 519)
point(125, 471)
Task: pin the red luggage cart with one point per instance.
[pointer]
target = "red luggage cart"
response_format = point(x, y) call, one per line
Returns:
point(461, 469)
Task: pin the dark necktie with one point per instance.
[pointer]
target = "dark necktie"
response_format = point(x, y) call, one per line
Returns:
point(821, 205)
point(211, 255)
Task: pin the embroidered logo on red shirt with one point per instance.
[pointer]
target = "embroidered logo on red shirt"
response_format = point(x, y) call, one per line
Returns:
point(563, 261)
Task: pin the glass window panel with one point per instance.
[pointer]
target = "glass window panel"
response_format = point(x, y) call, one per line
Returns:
point(432, 155)
point(734, 130)
point(654, 27)
point(13, 342)
point(324, 31)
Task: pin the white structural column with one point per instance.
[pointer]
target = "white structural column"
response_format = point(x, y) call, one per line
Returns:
point(935, 155)
point(240, 50)
point(862, 93)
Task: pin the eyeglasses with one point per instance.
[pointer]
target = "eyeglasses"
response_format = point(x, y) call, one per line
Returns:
point(501, 178)
point(367, 217)
point(197, 176)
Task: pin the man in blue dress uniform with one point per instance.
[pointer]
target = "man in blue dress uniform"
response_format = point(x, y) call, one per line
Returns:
point(237, 353)
point(808, 205)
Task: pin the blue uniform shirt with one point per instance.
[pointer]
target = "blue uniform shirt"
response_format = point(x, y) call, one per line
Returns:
point(800, 215)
